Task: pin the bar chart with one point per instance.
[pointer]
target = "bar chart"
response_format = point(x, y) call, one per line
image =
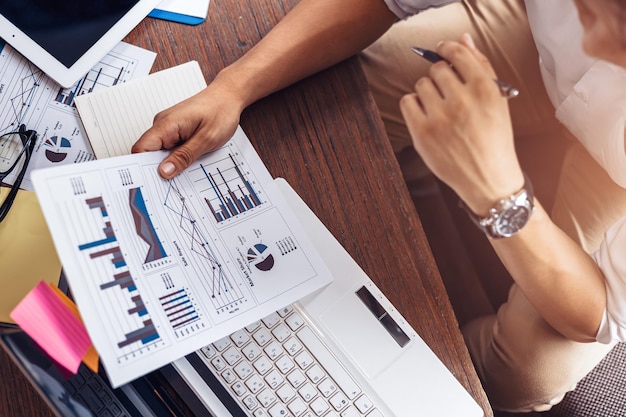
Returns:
point(226, 188)
point(110, 71)
point(123, 295)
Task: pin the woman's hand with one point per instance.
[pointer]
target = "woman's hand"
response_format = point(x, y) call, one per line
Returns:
point(460, 125)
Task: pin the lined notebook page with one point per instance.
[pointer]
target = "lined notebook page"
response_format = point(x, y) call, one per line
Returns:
point(115, 117)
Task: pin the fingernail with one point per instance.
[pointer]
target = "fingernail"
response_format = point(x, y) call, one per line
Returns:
point(168, 168)
point(469, 40)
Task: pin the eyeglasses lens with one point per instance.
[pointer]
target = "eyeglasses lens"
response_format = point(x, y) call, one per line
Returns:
point(11, 151)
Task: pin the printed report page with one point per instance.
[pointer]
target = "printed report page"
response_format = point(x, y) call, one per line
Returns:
point(160, 268)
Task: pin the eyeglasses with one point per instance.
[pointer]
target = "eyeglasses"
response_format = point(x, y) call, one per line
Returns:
point(16, 149)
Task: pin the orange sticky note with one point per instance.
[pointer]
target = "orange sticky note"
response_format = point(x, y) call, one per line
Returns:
point(46, 319)
point(91, 357)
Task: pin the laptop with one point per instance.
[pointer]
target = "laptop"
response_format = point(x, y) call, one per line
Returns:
point(66, 39)
point(342, 351)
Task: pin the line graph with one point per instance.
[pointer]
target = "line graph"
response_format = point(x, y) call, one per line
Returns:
point(23, 97)
point(222, 289)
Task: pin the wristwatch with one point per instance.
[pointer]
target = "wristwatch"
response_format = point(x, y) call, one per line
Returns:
point(508, 216)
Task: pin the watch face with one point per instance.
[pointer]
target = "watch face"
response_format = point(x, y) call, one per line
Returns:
point(512, 220)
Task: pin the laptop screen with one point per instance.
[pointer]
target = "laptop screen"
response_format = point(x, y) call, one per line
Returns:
point(68, 28)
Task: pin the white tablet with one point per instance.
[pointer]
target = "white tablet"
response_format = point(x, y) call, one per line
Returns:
point(66, 38)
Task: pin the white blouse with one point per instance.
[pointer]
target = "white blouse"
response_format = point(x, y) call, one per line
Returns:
point(589, 96)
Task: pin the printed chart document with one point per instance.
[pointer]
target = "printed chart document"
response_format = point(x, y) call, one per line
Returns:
point(159, 268)
point(29, 97)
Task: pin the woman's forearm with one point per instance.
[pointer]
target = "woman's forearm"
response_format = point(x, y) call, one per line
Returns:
point(557, 276)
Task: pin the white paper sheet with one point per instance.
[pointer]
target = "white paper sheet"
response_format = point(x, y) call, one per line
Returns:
point(161, 268)
point(115, 119)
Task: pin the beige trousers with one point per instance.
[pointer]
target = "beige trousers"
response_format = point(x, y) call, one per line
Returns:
point(523, 363)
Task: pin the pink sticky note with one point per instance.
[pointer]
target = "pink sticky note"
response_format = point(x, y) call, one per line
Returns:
point(44, 317)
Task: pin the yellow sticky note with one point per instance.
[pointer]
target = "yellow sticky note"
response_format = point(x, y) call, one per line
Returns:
point(27, 253)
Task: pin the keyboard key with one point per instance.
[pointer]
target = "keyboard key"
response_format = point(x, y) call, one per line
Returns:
point(294, 321)
point(339, 401)
point(231, 355)
point(327, 387)
point(319, 406)
point(281, 332)
point(221, 344)
point(364, 404)
point(266, 397)
point(297, 407)
point(296, 378)
point(285, 311)
point(254, 384)
point(286, 393)
point(262, 365)
point(251, 351)
point(240, 338)
point(271, 320)
point(315, 374)
point(243, 370)
point(375, 413)
point(308, 391)
point(284, 364)
point(239, 388)
point(229, 376)
point(274, 379)
point(278, 410)
point(273, 350)
point(208, 351)
point(218, 363)
point(304, 360)
point(292, 345)
point(250, 402)
point(262, 336)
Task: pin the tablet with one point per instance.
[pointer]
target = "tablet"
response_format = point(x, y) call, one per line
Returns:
point(66, 38)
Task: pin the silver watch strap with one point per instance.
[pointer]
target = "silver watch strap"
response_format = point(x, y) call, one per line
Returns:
point(485, 223)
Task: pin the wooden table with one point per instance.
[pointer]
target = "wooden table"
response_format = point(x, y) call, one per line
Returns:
point(326, 138)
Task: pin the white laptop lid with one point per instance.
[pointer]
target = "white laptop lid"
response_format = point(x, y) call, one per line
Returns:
point(65, 39)
point(378, 347)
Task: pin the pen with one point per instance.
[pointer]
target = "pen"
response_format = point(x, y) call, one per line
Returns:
point(505, 89)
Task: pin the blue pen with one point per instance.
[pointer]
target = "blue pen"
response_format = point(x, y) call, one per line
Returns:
point(505, 89)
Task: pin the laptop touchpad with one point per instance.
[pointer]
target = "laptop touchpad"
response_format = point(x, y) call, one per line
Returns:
point(366, 330)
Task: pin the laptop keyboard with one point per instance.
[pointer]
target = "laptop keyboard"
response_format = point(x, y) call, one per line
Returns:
point(278, 367)
point(91, 391)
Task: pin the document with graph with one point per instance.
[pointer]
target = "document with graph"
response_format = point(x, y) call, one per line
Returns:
point(160, 268)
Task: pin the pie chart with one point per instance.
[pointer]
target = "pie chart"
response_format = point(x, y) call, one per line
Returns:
point(57, 148)
point(259, 256)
